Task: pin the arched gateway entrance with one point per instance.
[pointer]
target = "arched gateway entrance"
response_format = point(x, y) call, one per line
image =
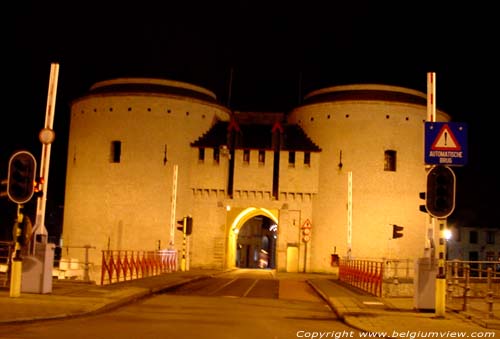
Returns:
point(252, 238)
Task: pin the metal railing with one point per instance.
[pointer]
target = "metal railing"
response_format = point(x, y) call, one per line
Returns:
point(119, 265)
point(66, 266)
point(128, 265)
point(399, 269)
point(6, 250)
point(366, 275)
point(468, 278)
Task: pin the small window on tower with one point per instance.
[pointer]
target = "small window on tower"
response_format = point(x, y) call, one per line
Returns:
point(262, 157)
point(291, 159)
point(390, 160)
point(246, 156)
point(216, 155)
point(307, 159)
point(201, 154)
point(116, 151)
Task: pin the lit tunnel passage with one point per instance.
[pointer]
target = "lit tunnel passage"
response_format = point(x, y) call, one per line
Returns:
point(252, 238)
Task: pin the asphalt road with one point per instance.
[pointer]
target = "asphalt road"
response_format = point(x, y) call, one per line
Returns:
point(242, 304)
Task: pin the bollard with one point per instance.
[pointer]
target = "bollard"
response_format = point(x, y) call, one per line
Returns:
point(15, 277)
point(489, 295)
point(466, 288)
point(449, 274)
point(86, 276)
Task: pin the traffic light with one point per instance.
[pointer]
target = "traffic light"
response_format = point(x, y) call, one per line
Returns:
point(185, 225)
point(440, 201)
point(38, 188)
point(422, 208)
point(21, 177)
point(397, 231)
point(182, 224)
point(189, 225)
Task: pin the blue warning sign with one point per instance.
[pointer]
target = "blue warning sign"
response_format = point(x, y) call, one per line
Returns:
point(446, 143)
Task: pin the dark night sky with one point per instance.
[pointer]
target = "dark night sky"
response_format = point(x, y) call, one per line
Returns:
point(278, 50)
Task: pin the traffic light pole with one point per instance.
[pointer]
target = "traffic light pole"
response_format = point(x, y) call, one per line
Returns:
point(440, 288)
point(440, 308)
point(17, 261)
point(184, 242)
point(186, 227)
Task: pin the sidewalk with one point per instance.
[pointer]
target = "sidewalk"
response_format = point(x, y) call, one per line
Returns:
point(70, 298)
point(396, 315)
point(361, 311)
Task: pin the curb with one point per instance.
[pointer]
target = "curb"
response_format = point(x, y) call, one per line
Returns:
point(109, 304)
point(337, 309)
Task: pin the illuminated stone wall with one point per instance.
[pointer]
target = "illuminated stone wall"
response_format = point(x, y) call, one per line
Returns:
point(126, 205)
point(354, 129)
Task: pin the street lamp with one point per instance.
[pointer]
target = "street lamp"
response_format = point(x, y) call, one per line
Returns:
point(447, 236)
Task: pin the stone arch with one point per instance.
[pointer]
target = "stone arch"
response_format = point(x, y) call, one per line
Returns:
point(236, 219)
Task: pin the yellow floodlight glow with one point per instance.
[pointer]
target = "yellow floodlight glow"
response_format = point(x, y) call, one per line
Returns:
point(241, 216)
point(447, 234)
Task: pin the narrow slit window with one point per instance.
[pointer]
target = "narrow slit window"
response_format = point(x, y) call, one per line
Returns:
point(307, 159)
point(262, 157)
point(246, 156)
point(291, 159)
point(216, 155)
point(390, 160)
point(116, 151)
point(201, 154)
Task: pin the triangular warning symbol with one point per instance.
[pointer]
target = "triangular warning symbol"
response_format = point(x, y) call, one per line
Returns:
point(233, 125)
point(277, 126)
point(306, 225)
point(445, 140)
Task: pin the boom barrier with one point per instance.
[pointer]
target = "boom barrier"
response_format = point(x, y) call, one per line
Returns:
point(366, 275)
point(128, 265)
